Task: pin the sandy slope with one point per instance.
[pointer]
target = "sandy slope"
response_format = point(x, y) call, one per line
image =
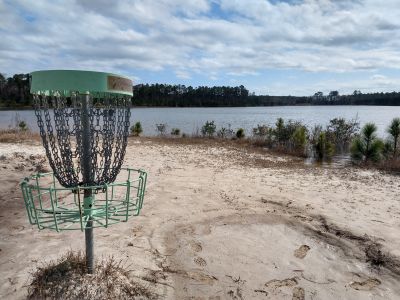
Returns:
point(226, 223)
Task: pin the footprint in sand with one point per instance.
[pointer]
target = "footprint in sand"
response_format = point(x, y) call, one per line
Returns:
point(188, 230)
point(201, 277)
point(275, 283)
point(298, 293)
point(303, 218)
point(195, 246)
point(206, 230)
point(200, 261)
point(302, 251)
point(366, 285)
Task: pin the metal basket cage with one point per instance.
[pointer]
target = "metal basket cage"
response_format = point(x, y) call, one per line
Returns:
point(52, 206)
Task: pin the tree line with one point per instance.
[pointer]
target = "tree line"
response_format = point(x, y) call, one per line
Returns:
point(14, 93)
point(181, 95)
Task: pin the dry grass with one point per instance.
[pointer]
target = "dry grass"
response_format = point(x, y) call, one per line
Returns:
point(18, 136)
point(204, 141)
point(390, 165)
point(66, 278)
point(255, 145)
point(247, 153)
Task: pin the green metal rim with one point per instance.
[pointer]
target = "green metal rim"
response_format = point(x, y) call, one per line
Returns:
point(65, 82)
point(56, 208)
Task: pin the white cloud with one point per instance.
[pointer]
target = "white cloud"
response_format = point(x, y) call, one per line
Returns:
point(182, 74)
point(188, 36)
point(376, 83)
point(378, 77)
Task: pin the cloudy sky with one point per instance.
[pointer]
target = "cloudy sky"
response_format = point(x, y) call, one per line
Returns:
point(272, 47)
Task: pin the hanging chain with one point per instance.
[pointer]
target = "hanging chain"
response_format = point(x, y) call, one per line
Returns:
point(60, 127)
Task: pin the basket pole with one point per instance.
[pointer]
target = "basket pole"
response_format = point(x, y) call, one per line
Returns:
point(87, 171)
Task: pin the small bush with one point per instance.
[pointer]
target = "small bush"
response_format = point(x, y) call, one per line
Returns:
point(225, 132)
point(265, 136)
point(367, 147)
point(261, 131)
point(315, 134)
point(18, 123)
point(289, 135)
point(136, 129)
point(279, 131)
point(161, 128)
point(175, 131)
point(22, 126)
point(300, 138)
point(208, 129)
point(324, 149)
point(240, 133)
point(394, 131)
point(387, 150)
point(341, 132)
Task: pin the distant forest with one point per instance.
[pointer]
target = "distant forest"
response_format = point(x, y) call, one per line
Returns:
point(14, 93)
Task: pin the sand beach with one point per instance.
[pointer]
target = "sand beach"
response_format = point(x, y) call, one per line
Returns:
point(222, 221)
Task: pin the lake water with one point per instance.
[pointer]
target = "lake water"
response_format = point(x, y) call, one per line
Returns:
point(190, 120)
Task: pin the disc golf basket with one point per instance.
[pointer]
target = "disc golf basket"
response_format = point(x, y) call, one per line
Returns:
point(83, 120)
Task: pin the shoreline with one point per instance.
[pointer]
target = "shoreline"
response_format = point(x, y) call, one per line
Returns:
point(339, 160)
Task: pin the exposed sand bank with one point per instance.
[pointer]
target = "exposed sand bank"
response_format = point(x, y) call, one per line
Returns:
point(222, 222)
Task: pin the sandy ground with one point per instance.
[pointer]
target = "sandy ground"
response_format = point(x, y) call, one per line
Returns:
point(226, 223)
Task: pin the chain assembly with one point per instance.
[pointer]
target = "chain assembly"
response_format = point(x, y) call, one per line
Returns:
point(59, 120)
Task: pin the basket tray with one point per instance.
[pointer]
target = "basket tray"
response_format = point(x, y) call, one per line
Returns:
point(51, 206)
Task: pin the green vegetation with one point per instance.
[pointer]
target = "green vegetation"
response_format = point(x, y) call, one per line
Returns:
point(136, 129)
point(340, 132)
point(367, 147)
point(299, 138)
point(22, 126)
point(387, 151)
point(14, 91)
point(394, 131)
point(221, 96)
point(261, 131)
point(324, 149)
point(225, 132)
point(175, 131)
point(240, 133)
point(280, 131)
point(290, 137)
point(208, 129)
point(339, 136)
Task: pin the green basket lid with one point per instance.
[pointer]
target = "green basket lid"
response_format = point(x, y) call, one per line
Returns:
point(65, 82)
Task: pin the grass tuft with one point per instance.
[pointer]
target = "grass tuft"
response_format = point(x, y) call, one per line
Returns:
point(18, 136)
point(66, 278)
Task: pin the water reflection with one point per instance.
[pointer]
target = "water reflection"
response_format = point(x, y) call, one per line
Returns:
point(337, 161)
